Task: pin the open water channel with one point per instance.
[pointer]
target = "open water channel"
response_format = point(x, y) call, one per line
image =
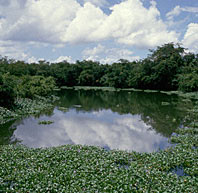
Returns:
point(122, 120)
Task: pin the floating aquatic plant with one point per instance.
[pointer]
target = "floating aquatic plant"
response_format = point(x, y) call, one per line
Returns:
point(45, 122)
point(24, 106)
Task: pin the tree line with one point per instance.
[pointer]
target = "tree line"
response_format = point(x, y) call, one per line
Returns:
point(168, 67)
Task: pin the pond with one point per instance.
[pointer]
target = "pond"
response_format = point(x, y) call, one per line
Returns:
point(123, 120)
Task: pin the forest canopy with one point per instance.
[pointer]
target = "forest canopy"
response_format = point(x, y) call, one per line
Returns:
point(168, 67)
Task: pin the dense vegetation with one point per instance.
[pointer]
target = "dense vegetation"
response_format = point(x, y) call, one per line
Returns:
point(24, 94)
point(169, 67)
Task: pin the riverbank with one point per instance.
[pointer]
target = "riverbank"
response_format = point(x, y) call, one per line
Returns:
point(193, 95)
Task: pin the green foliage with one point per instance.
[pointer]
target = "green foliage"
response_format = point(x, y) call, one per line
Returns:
point(166, 68)
point(76, 168)
point(188, 78)
point(7, 90)
point(31, 86)
point(24, 107)
point(188, 82)
point(158, 71)
point(65, 74)
point(45, 122)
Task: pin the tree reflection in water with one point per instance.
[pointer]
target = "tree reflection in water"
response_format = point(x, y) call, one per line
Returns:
point(125, 120)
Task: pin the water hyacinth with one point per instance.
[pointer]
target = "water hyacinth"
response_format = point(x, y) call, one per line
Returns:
point(6, 114)
point(76, 168)
point(25, 106)
point(45, 122)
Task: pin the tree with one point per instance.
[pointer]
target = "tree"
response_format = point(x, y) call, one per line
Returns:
point(166, 61)
point(7, 90)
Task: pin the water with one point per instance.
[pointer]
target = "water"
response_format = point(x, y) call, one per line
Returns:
point(114, 120)
point(179, 171)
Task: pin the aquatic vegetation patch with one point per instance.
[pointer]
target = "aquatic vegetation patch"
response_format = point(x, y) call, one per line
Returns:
point(64, 109)
point(95, 88)
point(165, 103)
point(24, 107)
point(45, 122)
point(185, 139)
point(6, 114)
point(187, 130)
point(151, 91)
point(77, 168)
point(66, 87)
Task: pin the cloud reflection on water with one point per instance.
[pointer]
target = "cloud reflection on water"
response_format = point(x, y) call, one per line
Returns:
point(102, 128)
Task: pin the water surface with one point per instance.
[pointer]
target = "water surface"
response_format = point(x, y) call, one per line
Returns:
point(114, 120)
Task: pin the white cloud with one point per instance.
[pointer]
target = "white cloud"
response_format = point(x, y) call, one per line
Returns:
point(191, 38)
point(61, 22)
point(85, 25)
point(177, 10)
point(132, 24)
point(63, 58)
point(94, 51)
point(108, 55)
point(99, 3)
point(190, 9)
point(40, 21)
point(13, 50)
point(32, 59)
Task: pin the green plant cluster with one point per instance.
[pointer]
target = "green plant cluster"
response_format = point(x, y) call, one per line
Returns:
point(12, 87)
point(168, 67)
point(75, 168)
point(7, 90)
point(25, 106)
point(6, 114)
point(45, 122)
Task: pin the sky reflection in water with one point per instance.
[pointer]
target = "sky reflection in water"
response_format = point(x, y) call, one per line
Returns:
point(101, 128)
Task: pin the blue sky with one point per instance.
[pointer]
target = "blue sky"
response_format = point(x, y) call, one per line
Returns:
point(100, 30)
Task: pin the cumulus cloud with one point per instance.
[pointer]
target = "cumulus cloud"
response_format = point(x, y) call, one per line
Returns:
point(132, 24)
point(99, 3)
point(190, 38)
point(85, 25)
point(39, 21)
point(63, 22)
point(63, 58)
point(108, 55)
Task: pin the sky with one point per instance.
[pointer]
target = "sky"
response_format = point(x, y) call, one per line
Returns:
point(98, 30)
